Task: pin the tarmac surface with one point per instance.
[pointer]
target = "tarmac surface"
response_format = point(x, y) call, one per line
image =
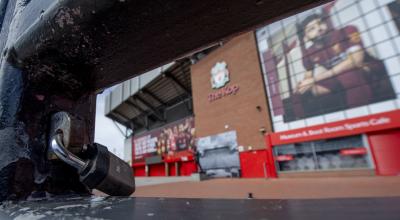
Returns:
point(121, 208)
point(298, 198)
point(288, 188)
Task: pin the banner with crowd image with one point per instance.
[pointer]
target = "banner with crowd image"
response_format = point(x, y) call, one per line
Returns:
point(168, 140)
point(218, 155)
point(334, 62)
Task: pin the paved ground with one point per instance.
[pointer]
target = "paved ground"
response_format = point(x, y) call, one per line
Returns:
point(295, 188)
point(145, 181)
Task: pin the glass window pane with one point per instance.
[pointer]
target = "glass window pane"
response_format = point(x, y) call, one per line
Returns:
point(332, 154)
point(342, 153)
point(295, 157)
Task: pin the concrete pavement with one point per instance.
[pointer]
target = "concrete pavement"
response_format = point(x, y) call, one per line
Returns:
point(289, 188)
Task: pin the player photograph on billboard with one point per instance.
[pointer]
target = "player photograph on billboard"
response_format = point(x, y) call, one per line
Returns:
point(328, 60)
point(340, 72)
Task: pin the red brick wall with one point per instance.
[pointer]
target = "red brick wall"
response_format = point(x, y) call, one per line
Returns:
point(238, 111)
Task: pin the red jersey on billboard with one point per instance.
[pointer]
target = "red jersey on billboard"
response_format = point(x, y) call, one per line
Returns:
point(167, 141)
point(341, 73)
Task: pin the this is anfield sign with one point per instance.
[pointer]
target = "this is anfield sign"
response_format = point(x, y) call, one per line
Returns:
point(349, 127)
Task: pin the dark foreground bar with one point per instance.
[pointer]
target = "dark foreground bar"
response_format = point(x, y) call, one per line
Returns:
point(153, 208)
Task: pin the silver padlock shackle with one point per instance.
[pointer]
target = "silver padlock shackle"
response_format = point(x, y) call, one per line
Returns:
point(63, 154)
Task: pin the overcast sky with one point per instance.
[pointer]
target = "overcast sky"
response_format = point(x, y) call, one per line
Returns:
point(105, 132)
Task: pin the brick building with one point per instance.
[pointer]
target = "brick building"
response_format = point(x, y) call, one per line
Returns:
point(314, 94)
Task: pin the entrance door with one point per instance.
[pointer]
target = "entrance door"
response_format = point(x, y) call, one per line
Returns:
point(386, 149)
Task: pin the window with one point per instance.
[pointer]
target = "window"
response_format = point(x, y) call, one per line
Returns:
point(331, 154)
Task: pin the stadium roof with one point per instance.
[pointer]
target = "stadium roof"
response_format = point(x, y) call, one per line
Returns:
point(148, 95)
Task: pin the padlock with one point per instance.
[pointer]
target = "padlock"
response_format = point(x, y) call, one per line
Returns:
point(100, 170)
point(103, 171)
point(108, 173)
point(72, 130)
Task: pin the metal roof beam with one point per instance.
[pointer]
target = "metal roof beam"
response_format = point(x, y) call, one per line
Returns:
point(140, 109)
point(121, 116)
point(177, 82)
point(136, 122)
point(144, 112)
point(151, 107)
point(120, 130)
point(153, 96)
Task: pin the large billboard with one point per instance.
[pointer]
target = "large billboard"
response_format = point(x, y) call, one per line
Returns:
point(167, 140)
point(334, 62)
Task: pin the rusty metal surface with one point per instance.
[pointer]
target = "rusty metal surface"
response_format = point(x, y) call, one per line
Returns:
point(98, 44)
point(160, 208)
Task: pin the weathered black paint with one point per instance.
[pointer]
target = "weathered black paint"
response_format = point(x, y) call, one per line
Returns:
point(24, 120)
point(28, 97)
point(55, 55)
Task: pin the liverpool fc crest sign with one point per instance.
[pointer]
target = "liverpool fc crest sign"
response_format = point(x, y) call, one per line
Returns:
point(219, 75)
